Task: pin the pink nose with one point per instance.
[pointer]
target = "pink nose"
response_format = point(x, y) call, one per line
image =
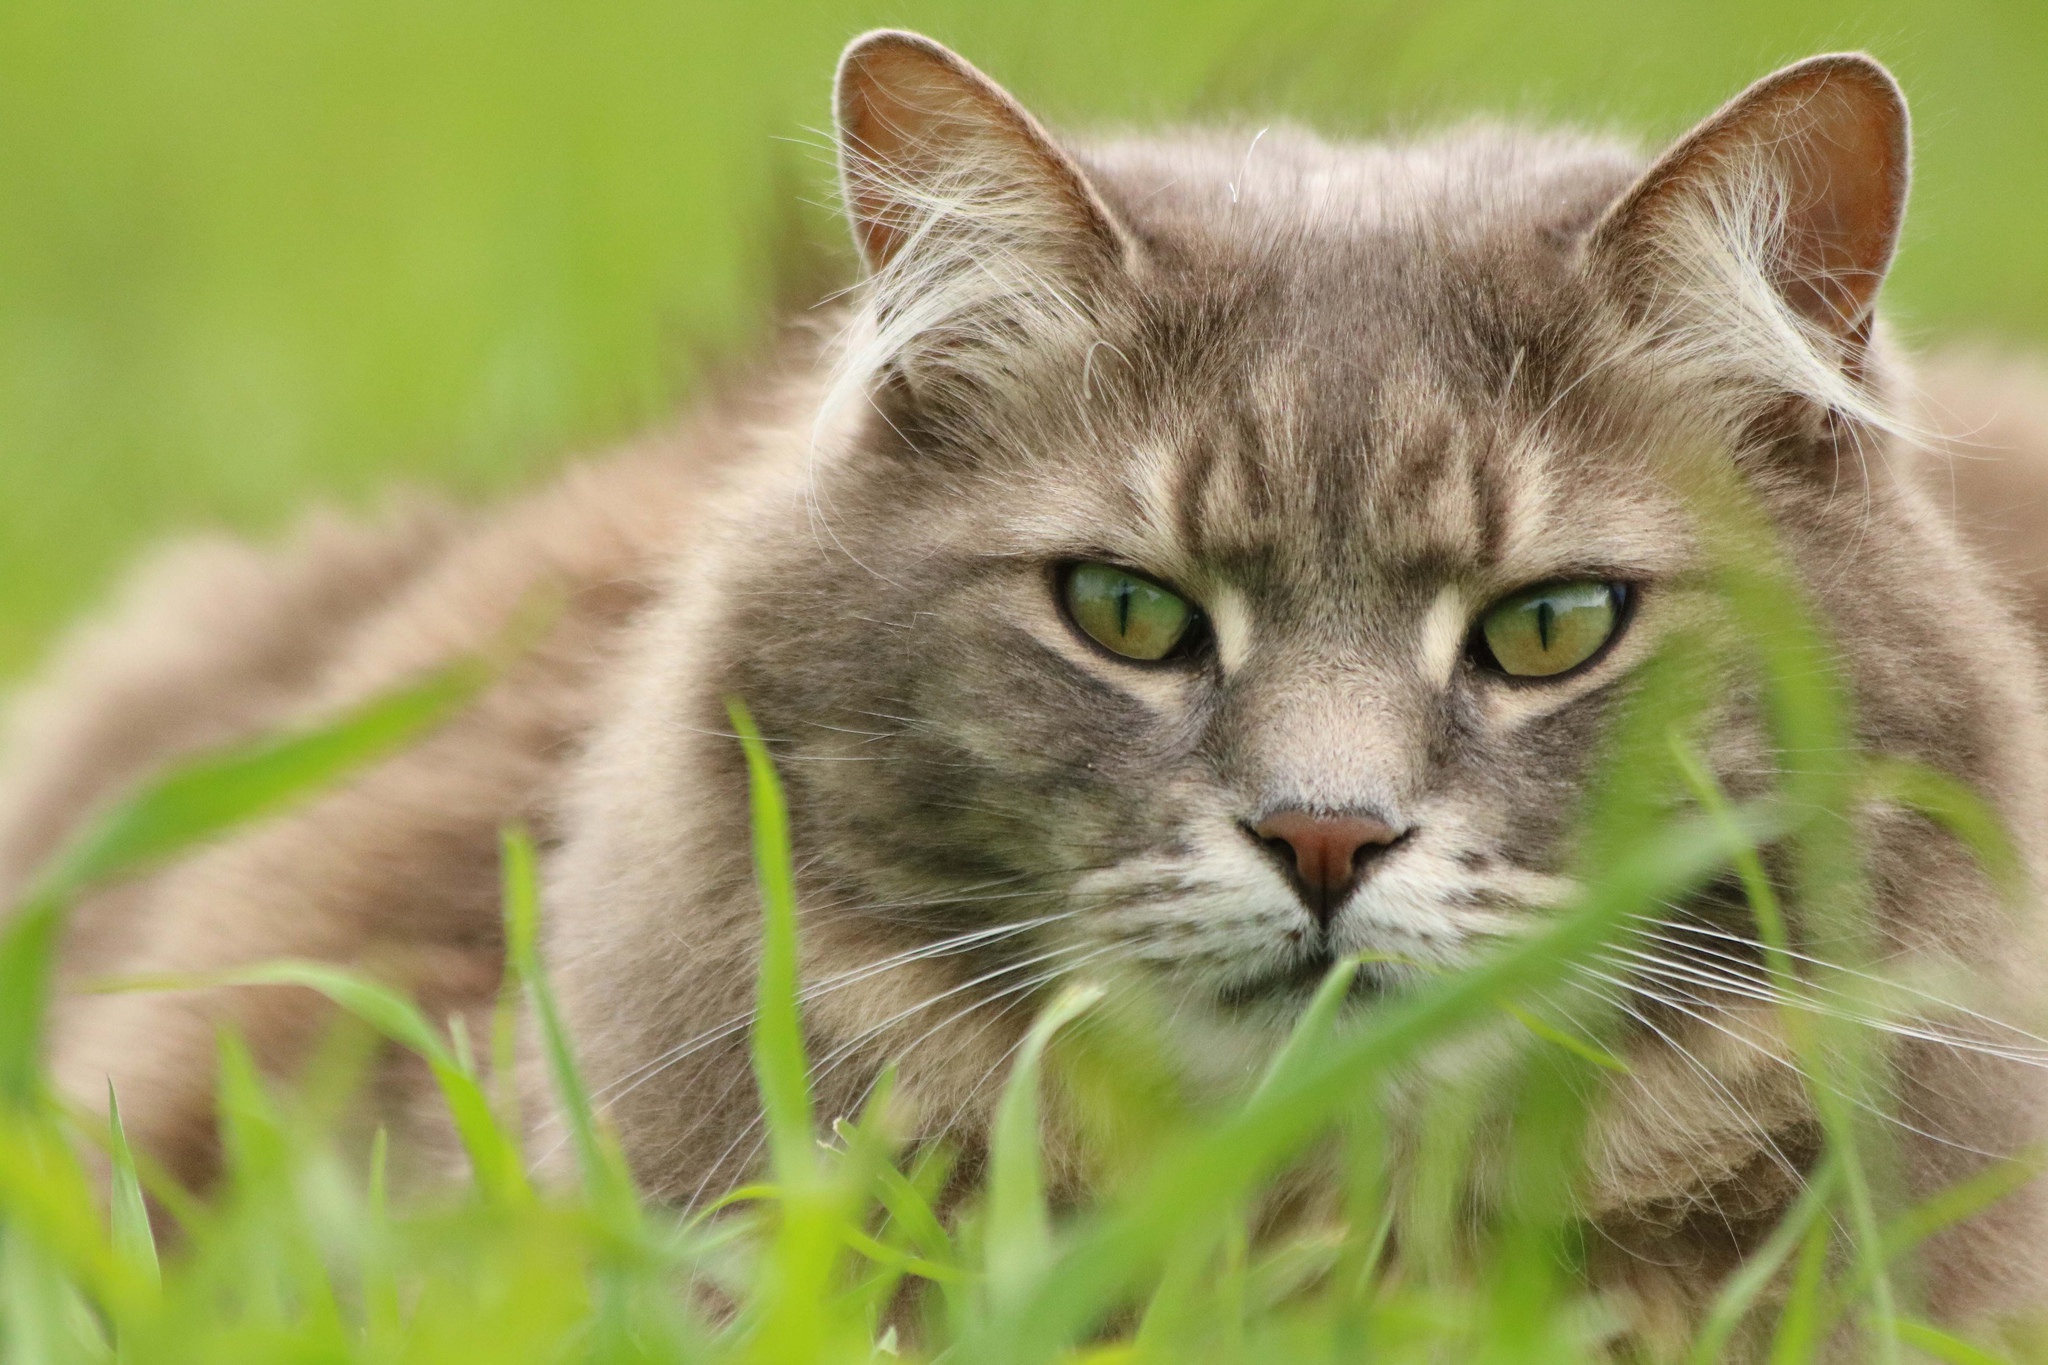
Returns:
point(1325, 853)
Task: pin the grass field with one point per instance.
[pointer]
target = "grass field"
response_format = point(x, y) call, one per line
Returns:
point(255, 252)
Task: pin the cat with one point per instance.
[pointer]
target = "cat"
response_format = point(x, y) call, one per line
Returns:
point(1193, 556)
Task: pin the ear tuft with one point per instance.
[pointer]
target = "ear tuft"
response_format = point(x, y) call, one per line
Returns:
point(989, 252)
point(1808, 167)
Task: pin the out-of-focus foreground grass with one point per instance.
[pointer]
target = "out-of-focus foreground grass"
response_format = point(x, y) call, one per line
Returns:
point(1448, 1225)
point(257, 250)
point(254, 249)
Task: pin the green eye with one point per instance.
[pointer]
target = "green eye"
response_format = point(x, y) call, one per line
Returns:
point(1550, 629)
point(1124, 613)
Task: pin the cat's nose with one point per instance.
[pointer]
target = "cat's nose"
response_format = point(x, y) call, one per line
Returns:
point(1325, 854)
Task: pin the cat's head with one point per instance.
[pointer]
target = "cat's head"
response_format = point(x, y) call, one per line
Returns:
point(1222, 551)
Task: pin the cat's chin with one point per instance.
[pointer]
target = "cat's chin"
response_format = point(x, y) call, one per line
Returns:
point(1226, 1036)
point(1280, 996)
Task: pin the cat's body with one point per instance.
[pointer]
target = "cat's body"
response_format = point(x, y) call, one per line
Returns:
point(1344, 396)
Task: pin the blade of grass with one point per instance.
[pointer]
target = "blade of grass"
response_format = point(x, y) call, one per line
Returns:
point(1580, 1048)
point(1742, 1290)
point(601, 1165)
point(1018, 1227)
point(211, 795)
point(1801, 1323)
point(128, 1212)
point(49, 1216)
point(909, 1211)
point(383, 1311)
point(780, 1066)
point(1820, 1070)
point(1925, 1336)
point(1809, 705)
point(796, 1315)
point(196, 802)
point(28, 946)
point(41, 1318)
point(1954, 806)
point(1961, 1201)
point(493, 1154)
point(1312, 1031)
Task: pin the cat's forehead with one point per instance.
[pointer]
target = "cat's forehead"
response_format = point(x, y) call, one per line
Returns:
point(1389, 470)
point(1368, 367)
point(1450, 431)
point(1363, 357)
point(1283, 194)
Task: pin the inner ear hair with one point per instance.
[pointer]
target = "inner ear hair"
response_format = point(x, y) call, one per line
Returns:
point(985, 243)
point(1807, 171)
point(929, 146)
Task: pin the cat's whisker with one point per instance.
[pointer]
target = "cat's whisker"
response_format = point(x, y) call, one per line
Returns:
point(1658, 926)
point(819, 1068)
point(618, 1089)
point(1019, 998)
point(1679, 974)
point(1706, 1018)
point(622, 1086)
point(822, 1069)
point(1691, 1061)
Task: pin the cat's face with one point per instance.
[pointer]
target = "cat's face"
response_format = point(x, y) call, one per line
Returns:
point(1323, 419)
point(1338, 504)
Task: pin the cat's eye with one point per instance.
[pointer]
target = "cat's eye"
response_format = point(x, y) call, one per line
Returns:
point(1550, 629)
point(1126, 614)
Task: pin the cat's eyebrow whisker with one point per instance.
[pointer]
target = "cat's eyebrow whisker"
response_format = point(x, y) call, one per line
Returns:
point(1529, 428)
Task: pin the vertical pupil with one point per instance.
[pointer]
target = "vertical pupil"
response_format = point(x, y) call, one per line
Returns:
point(1545, 614)
point(1125, 591)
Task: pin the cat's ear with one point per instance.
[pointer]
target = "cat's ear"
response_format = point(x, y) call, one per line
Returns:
point(941, 167)
point(1798, 184)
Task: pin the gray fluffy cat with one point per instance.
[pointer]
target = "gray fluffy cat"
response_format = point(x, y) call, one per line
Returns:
point(1190, 561)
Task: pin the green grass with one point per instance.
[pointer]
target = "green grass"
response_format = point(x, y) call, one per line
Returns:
point(858, 1248)
point(252, 251)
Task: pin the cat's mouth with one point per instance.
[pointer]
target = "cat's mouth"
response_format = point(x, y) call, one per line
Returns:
point(1293, 984)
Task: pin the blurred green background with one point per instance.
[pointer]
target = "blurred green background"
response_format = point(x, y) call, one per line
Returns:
point(258, 251)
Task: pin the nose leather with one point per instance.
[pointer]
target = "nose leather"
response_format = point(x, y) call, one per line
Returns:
point(1325, 853)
